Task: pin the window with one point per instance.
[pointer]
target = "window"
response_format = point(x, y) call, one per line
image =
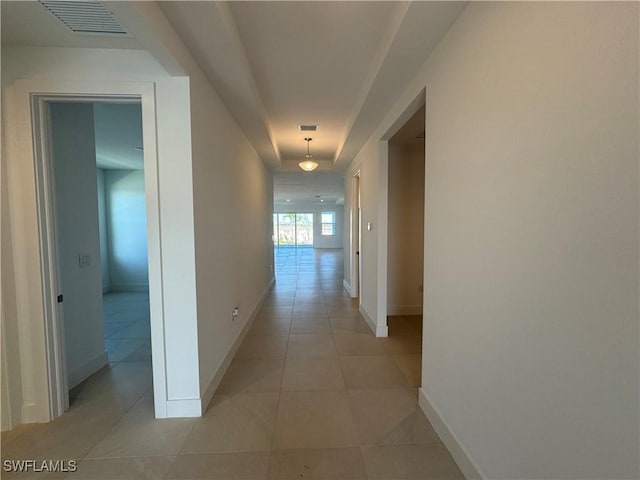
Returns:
point(293, 229)
point(328, 220)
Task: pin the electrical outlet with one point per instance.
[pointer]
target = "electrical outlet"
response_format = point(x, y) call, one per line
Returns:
point(234, 314)
point(84, 260)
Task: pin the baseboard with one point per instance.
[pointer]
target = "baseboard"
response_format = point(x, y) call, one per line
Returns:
point(87, 369)
point(224, 365)
point(129, 287)
point(393, 310)
point(183, 408)
point(378, 330)
point(458, 452)
point(31, 413)
point(347, 287)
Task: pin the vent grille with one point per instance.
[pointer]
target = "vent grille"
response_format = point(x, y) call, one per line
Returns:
point(308, 128)
point(84, 17)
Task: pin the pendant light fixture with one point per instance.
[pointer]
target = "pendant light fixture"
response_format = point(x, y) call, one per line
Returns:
point(308, 165)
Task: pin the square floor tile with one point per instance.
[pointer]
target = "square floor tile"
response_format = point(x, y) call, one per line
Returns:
point(311, 345)
point(415, 462)
point(353, 324)
point(312, 373)
point(404, 325)
point(132, 468)
point(359, 344)
point(270, 326)
point(69, 436)
point(389, 417)
point(222, 466)
point(334, 463)
point(373, 371)
point(311, 325)
point(411, 368)
point(140, 434)
point(252, 375)
point(235, 423)
point(262, 346)
point(314, 420)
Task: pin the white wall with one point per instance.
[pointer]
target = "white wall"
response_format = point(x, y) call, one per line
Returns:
point(74, 159)
point(319, 241)
point(530, 364)
point(102, 223)
point(405, 241)
point(126, 230)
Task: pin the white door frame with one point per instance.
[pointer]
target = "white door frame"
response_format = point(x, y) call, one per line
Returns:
point(356, 234)
point(31, 98)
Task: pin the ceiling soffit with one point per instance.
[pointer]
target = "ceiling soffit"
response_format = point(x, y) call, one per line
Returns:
point(340, 65)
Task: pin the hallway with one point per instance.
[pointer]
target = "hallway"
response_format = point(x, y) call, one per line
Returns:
point(311, 393)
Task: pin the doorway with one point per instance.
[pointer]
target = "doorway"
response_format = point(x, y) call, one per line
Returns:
point(405, 225)
point(54, 298)
point(100, 221)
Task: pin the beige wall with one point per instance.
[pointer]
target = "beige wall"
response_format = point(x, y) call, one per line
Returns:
point(530, 364)
point(233, 200)
point(405, 239)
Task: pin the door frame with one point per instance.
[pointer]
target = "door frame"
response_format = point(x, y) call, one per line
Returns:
point(31, 100)
point(383, 203)
point(356, 236)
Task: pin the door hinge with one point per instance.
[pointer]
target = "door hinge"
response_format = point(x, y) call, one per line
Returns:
point(59, 298)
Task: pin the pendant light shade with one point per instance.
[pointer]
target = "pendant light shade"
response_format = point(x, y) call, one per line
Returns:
point(308, 165)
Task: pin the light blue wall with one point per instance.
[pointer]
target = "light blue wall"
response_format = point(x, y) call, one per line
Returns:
point(74, 160)
point(127, 229)
point(102, 222)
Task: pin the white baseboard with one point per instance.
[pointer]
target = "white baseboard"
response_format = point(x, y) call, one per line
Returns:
point(87, 369)
point(404, 310)
point(31, 413)
point(129, 287)
point(458, 452)
point(222, 368)
point(183, 408)
point(378, 330)
point(347, 287)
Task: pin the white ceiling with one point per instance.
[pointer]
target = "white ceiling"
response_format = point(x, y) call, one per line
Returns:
point(337, 64)
point(278, 64)
point(28, 23)
point(322, 188)
point(310, 60)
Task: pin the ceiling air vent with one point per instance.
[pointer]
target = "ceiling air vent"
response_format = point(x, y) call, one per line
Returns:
point(308, 128)
point(85, 17)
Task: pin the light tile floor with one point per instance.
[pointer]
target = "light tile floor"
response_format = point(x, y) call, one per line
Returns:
point(310, 394)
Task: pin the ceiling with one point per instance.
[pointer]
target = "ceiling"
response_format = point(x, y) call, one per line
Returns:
point(29, 23)
point(339, 65)
point(276, 65)
point(321, 188)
